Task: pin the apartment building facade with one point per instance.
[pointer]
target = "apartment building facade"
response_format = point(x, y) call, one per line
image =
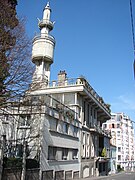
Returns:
point(122, 133)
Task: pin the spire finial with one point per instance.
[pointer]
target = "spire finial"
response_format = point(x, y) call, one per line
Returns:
point(48, 4)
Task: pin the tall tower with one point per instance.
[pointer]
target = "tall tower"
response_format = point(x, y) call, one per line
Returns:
point(43, 48)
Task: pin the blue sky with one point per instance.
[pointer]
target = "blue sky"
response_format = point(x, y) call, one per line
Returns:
point(93, 39)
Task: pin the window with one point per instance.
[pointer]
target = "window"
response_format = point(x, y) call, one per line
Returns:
point(88, 151)
point(75, 131)
point(83, 151)
point(75, 154)
point(6, 117)
point(71, 130)
point(19, 150)
point(84, 120)
point(119, 157)
point(60, 127)
point(92, 150)
point(103, 166)
point(118, 125)
point(69, 98)
point(59, 153)
point(64, 153)
point(112, 125)
point(56, 99)
point(92, 147)
point(35, 99)
point(65, 128)
point(83, 145)
point(95, 113)
point(91, 111)
point(88, 146)
point(52, 153)
point(113, 117)
point(118, 117)
point(48, 100)
point(83, 137)
point(88, 113)
point(118, 133)
point(104, 126)
point(24, 120)
point(88, 139)
point(53, 124)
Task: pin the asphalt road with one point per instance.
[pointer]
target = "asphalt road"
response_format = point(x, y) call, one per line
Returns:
point(119, 176)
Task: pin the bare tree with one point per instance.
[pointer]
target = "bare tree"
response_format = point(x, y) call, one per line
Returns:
point(16, 68)
point(20, 65)
point(8, 21)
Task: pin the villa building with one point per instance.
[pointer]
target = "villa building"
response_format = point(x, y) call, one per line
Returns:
point(59, 122)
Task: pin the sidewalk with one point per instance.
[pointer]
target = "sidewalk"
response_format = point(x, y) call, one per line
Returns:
point(93, 178)
point(100, 177)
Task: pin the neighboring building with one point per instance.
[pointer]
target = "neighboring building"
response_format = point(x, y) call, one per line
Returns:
point(122, 133)
point(60, 120)
point(113, 167)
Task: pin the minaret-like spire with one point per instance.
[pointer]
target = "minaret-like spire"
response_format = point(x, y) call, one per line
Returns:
point(43, 48)
point(47, 12)
point(46, 25)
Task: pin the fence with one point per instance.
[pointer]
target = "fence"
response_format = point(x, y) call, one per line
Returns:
point(15, 174)
point(33, 174)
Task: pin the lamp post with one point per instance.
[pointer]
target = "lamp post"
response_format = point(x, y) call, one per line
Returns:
point(23, 175)
point(24, 161)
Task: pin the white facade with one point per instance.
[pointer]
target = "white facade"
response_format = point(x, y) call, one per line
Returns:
point(61, 120)
point(122, 132)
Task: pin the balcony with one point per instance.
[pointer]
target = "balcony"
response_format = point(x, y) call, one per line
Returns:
point(99, 130)
point(46, 23)
point(44, 36)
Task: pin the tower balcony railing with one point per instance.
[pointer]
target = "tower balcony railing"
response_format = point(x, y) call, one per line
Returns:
point(46, 22)
point(44, 36)
point(81, 81)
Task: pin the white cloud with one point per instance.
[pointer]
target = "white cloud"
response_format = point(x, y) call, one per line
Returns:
point(124, 103)
point(127, 101)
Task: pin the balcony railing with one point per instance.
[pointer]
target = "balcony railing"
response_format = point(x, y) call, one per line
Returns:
point(99, 130)
point(77, 82)
point(44, 36)
point(46, 22)
point(81, 81)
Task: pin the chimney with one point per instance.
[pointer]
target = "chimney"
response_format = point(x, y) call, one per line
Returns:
point(62, 76)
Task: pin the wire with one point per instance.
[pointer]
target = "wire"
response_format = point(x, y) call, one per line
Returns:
point(133, 36)
point(132, 24)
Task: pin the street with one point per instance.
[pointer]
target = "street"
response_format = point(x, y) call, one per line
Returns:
point(119, 176)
